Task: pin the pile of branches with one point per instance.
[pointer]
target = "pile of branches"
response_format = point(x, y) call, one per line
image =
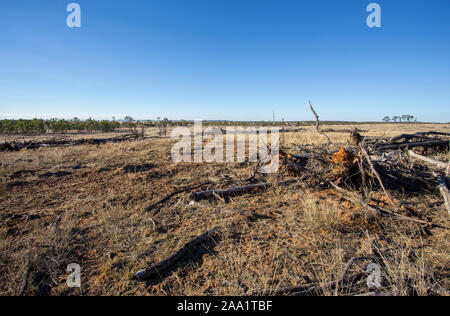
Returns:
point(400, 163)
point(422, 140)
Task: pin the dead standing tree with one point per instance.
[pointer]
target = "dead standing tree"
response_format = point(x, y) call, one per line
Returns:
point(317, 125)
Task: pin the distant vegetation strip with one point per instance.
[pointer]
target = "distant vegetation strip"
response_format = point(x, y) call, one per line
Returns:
point(40, 126)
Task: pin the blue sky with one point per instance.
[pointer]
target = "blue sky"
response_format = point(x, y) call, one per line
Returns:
point(225, 59)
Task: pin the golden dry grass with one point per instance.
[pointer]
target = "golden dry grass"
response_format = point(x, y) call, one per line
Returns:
point(286, 236)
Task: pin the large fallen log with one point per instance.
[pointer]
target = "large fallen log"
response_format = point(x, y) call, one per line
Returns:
point(432, 161)
point(427, 143)
point(233, 191)
point(421, 135)
point(158, 268)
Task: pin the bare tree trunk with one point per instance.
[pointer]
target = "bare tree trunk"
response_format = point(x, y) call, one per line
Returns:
point(317, 124)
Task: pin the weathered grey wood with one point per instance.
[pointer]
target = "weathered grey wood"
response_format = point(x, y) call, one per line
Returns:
point(445, 194)
point(150, 207)
point(435, 162)
point(428, 143)
point(212, 194)
point(155, 269)
point(364, 152)
point(317, 124)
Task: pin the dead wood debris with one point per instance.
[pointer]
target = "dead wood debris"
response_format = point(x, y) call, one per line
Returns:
point(317, 124)
point(159, 268)
point(234, 191)
point(152, 206)
point(444, 192)
point(16, 146)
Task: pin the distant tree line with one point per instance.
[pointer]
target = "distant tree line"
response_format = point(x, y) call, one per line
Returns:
point(75, 125)
point(40, 126)
point(400, 118)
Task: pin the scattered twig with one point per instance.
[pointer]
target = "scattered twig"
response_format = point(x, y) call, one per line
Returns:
point(150, 207)
point(161, 266)
point(211, 194)
point(26, 277)
point(56, 224)
point(382, 211)
point(350, 263)
point(318, 289)
point(375, 172)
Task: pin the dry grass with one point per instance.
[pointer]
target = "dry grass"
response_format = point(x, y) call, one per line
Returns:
point(286, 236)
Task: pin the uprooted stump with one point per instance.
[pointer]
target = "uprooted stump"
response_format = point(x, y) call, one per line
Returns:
point(318, 168)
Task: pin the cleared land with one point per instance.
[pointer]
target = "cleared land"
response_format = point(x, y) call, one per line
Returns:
point(87, 204)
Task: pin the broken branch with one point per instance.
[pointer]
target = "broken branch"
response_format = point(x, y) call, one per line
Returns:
point(377, 175)
point(150, 207)
point(432, 161)
point(380, 211)
point(317, 124)
point(212, 194)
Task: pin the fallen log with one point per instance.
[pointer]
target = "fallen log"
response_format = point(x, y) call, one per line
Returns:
point(213, 194)
point(150, 207)
point(428, 143)
point(158, 268)
point(433, 133)
point(407, 137)
point(432, 161)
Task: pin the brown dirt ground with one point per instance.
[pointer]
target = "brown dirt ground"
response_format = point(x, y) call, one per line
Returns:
point(285, 236)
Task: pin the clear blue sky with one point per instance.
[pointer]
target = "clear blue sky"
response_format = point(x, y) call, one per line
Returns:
point(225, 59)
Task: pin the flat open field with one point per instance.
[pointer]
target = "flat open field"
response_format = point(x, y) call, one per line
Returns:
point(87, 204)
